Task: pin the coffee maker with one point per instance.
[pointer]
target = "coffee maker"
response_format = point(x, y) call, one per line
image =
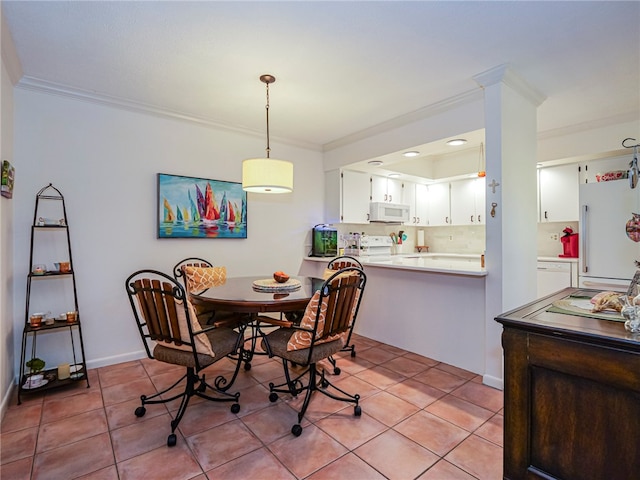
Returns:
point(324, 241)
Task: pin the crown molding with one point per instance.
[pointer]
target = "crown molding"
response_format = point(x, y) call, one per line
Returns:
point(9, 55)
point(423, 113)
point(590, 125)
point(505, 74)
point(52, 88)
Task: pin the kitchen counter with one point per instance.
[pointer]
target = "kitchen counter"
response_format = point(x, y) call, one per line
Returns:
point(454, 264)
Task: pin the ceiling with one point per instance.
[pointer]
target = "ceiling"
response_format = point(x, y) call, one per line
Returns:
point(341, 67)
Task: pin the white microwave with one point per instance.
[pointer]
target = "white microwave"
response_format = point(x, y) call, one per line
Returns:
point(388, 212)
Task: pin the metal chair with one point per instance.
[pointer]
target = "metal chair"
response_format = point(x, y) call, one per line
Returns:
point(205, 315)
point(334, 265)
point(328, 318)
point(171, 334)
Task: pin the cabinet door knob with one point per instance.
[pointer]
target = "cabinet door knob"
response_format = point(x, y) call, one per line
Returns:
point(471, 218)
point(479, 221)
point(545, 215)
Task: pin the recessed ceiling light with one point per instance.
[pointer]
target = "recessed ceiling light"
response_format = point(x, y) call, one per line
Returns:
point(375, 163)
point(394, 175)
point(412, 153)
point(456, 142)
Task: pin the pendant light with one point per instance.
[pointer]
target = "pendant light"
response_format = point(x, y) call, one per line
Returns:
point(481, 171)
point(267, 175)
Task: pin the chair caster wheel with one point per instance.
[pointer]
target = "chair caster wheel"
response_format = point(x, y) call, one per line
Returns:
point(171, 441)
point(353, 353)
point(357, 411)
point(296, 430)
point(247, 366)
point(273, 397)
point(337, 371)
point(235, 408)
point(324, 384)
point(140, 411)
point(202, 387)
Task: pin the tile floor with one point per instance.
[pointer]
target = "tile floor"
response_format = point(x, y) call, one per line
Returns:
point(420, 420)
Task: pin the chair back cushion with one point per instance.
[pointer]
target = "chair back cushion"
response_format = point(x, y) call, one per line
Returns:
point(201, 342)
point(198, 279)
point(343, 294)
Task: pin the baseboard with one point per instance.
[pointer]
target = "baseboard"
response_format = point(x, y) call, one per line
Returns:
point(6, 399)
point(492, 381)
point(112, 360)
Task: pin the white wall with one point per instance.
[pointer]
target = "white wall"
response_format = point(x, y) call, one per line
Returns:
point(6, 241)
point(105, 160)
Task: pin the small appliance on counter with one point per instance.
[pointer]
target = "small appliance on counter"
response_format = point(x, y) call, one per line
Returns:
point(569, 244)
point(324, 241)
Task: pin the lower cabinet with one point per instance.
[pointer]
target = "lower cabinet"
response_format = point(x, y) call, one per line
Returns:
point(571, 396)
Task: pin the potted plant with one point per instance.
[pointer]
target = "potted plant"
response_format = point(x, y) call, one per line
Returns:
point(35, 366)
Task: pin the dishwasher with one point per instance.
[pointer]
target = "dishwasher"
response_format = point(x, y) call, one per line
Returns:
point(553, 276)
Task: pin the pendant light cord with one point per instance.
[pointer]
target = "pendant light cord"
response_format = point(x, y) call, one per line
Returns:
point(267, 109)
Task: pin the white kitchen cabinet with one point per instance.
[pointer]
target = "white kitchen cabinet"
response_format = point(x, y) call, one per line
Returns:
point(553, 276)
point(416, 195)
point(591, 169)
point(558, 193)
point(347, 196)
point(384, 189)
point(468, 201)
point(439, 204)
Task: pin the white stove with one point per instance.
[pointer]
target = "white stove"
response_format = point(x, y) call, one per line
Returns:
point(375, 245)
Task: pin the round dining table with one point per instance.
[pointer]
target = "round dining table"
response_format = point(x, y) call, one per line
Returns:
point(238, 295)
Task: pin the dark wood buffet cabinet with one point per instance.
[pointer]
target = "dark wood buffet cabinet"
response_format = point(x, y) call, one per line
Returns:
point(571, 394)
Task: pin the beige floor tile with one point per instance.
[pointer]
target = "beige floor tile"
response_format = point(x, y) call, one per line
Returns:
point(18, 417)
point(482, 395)
point(71, 430)
point(204, 415)
point(432, 432)
point(56, 408)
point(466, 374)
point(430, 362)
point(127, 391)
point(18, 470)
point(222, 444)
point(349, 466)
point(141, 437)
point(440, 379)
point(478, 457)
point(18, 445)
point(309, 452)
point(254, 465)
point(154, 464)
point(395, 456)
point(460, 412)
point(108, 473)
point(272, 422)
point(74, 460)
point(349, 430)
point(418, 393)
point(387, 408)
point(405, 366)
point(381, 377)
point(127, 374)
point(377, 355)
point(443, 470)
point(123, 414)
point(492, 430)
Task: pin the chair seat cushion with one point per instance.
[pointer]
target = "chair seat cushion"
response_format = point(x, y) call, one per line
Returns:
point(223, 340)
point(277, 345)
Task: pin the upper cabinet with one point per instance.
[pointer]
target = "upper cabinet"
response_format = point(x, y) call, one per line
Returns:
point(439, 204)
point(468, 201)
point(384, 189)
point(347, 196)
point(416, 195)
point(591, 170)
point(558, 193)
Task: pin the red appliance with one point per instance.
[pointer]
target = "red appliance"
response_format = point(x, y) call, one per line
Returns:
point(569, 244)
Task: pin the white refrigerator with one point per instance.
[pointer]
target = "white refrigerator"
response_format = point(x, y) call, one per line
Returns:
point(606, 253)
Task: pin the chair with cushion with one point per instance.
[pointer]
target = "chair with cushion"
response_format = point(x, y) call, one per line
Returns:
point(336, 264)
point(198, 275)
point(172, 334)
point(321, 333)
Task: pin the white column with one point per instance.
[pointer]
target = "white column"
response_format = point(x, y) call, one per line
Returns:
point(511, 233)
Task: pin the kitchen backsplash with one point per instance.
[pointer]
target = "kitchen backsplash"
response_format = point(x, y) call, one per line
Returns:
point(460, 239)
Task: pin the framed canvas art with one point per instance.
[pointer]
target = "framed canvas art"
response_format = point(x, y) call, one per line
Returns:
point(190, 207)
point(8, 177)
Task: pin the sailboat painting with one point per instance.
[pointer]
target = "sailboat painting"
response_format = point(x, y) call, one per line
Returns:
point(190, 207)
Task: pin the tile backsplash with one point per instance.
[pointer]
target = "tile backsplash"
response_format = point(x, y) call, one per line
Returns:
point(461, 239)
